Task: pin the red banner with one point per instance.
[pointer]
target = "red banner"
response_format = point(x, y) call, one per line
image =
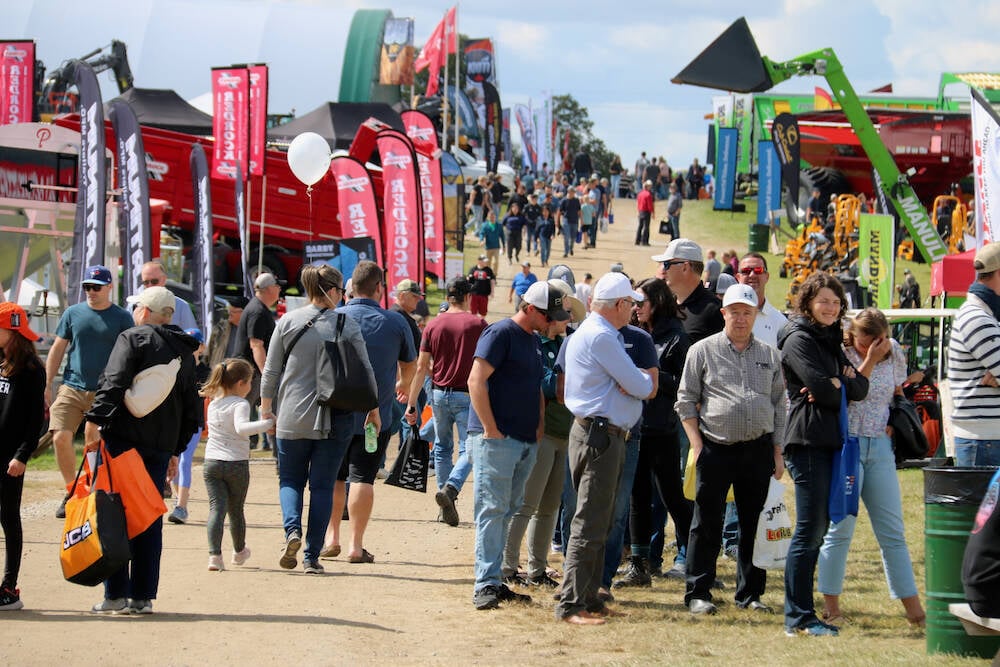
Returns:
point(420, 128)
point(230, 120)
point(17, 81)
point(356, 205)
point(402, 223)
point(258, 118)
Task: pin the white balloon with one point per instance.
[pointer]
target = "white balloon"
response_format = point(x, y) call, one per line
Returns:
point(309, 157)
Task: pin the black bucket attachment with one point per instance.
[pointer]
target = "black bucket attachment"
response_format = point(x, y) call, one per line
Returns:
point(732, 62)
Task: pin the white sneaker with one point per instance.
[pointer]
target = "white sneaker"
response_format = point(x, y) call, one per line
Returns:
point(112, 606)
point(240, 557)
point(215, 563)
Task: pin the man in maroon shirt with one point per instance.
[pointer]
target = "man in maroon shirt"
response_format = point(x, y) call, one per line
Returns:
point(447, 350)
point(646, 205)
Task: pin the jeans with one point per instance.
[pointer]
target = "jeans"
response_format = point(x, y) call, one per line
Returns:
point(316, 462)
point(616, 180)
point(140, 578)
point(544, 248)
point(569, 237)
point(730, 527)
point(185, 462)
point(537, 516)
point(970, 452)
point(675, 225)
point(616, 536)
point(514, 238)
point(451, 408)
point(879, 486)
point(642, 231)
point(500, 470)
point(226, 483)
point(810, 468)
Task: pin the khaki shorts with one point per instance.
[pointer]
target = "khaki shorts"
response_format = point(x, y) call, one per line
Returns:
point(66, 412)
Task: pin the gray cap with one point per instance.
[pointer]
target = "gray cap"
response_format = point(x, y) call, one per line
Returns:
point(685, 249)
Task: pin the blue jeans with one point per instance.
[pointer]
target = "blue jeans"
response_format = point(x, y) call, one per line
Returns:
point(544, 248)
point(616, 181)
point(810, 469)
point(316, 462)
point(569, 237)
point(500, 469)
point(140, 578)
point(879, 486)
point(451, 408)
point(185, 462)
point(616, 537)
point(970, 452)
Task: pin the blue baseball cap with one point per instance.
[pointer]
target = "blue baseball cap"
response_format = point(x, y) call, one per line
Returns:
point(196, 334)
point(97, 275)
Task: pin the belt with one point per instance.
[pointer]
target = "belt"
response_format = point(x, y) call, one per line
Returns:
point(612, 429)
point(464, 390)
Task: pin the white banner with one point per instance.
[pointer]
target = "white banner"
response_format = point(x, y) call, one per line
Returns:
point(986, 168)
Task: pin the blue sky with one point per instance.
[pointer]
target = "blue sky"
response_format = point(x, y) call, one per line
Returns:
point(616, 60)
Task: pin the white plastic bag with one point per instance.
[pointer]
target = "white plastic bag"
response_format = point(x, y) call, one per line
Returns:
point(774, 530)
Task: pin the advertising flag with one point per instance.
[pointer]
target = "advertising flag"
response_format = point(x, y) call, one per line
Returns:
point(92, 182)
point(420, 127)
point(508, 152)
point(785, 134)
point(494, 126)
point(479, 63)
point(453, 186)
point(725, 173)
point(436, 50)
point(202, 275)
point(396, 65)
point(565, 151)
point(459, 101)
point(133, 181)
point(403, 220)
point(356, 203)
point(451, 31)
point(258, 118)
point(17, 82)
point(243, 228)
point(230, 120)
point(523, 116)
point(875, 253)
point(985, 168)
point(769, 179)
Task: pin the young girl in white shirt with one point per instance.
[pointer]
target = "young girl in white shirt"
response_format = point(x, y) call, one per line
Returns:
point(227, 456)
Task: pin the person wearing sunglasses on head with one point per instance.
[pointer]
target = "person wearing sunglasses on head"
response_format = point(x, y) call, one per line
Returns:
point(85, 336)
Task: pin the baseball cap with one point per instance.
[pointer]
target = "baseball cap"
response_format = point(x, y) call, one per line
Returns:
point(570, 302)
point(13, 318)
point(615, 285)
point(740, 294)
point(543, 296)
point(526, 263)
point(411, 286)
point(265, 280)
point(458, 287)
point(563, 272)
point(987, 258)
point(482, 258)
point(238, 302)
point(97, 275)
point(724, 282)
point(685, 249)
point(157, 298)
point(196, 334)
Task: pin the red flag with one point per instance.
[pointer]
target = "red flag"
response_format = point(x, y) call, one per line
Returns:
point(17, 80)
point(230, 120)
point(439, 45)
point(258, 118)
point(356, 202)
point(420, 128)
point(402, 210)
point(887, 88)
point(450, 31)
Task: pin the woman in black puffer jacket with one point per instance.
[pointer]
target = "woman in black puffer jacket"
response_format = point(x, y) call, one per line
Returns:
point(815, 367)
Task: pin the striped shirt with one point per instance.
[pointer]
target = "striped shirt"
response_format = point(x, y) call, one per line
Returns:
point(741, 394)
point(973, 350)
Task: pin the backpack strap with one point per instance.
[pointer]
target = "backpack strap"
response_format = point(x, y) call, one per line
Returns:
point(307, 327)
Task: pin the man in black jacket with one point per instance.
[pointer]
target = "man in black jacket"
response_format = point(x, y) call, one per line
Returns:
point(160, 436)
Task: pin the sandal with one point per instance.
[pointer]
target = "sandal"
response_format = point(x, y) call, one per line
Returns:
point(835, 620)
point(330, 552)
point(365, 557)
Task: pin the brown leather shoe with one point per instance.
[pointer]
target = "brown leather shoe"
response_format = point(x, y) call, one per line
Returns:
point(583, 618)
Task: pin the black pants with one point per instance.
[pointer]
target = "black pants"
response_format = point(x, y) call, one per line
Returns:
point(642, 232)
point(10, 521)
point(659, 467)
point(746, 466)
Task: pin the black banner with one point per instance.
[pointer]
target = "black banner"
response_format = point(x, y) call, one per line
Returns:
point(244, 230)
point(494, 126)
point(92, 183)
point(202, 276)
point(785, 134)
point(133, 181)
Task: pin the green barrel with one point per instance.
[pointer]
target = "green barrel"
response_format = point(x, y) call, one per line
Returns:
point(951, 499)
point(758, 237)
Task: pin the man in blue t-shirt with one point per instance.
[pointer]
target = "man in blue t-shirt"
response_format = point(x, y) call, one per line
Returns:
point(520, 284)
point(507, 402)
point(392, 354)
point(86, 333)
point(569, 220)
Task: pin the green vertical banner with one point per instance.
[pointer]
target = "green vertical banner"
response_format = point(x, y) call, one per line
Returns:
point(875, 257)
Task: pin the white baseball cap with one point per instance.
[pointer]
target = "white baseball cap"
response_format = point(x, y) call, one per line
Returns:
point(685, 249)
point(615, 285)
point(740, 294)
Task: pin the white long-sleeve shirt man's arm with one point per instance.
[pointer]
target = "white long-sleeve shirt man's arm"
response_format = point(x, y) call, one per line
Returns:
point(611, 354)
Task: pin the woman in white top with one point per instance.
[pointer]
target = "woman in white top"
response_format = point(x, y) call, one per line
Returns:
point(227, 456)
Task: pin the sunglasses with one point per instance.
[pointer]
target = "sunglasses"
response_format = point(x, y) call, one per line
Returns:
point(93, 288)
point(151, 282)
point(752, 270)
point(674, 262)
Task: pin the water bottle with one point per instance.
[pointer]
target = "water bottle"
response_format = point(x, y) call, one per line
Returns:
point(371, 439)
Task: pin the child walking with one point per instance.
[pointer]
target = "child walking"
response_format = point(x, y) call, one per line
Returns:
point(227, 456)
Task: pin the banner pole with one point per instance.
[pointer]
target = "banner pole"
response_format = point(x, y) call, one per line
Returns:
point(444, 96)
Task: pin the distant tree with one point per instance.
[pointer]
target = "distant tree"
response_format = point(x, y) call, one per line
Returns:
point(568, 113)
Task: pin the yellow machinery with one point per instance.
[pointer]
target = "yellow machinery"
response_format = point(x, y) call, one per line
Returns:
point(811, 250)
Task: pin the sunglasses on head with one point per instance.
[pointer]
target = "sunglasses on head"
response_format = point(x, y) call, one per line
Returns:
point(751, 270)
point(92, 288)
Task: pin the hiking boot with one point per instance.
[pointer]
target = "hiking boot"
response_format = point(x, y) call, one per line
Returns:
point(178, 516)
point(112, 606)
point(504, 594)
point(292, 545)
point(637, 574)
point(486, 598)
point(240, 557)
point(312, 566)
point(515, 579)
point(10, 598)
point(140, 606)
point(446, 501)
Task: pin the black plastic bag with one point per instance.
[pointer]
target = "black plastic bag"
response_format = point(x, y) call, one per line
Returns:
point(410, 469)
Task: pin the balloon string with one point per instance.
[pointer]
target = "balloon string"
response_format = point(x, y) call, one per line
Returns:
point(309, 193)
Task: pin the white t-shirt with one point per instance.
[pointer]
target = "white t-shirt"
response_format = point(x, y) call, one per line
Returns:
point(230, 428)
point(768, 323)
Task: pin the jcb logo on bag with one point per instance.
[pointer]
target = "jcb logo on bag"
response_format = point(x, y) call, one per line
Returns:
point(77, 535)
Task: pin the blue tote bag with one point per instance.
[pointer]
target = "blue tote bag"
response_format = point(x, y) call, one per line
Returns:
point(844, 490)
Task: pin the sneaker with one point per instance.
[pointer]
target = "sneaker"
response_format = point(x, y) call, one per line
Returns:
point(10, 598)
point(557, 547)
point(240, 557)
point(504, 594)
point(215, 563)
point(814, 629)
point(292, 545)
point(486, 598)
point(179, 515)
point(112, 606)
point(543, 580)
point(381, 473)
point(676, 572)
point(311, 566)
point(515, 579)
point(702, 607)
point(445, 499)
point(61, 512)
point(140, 606)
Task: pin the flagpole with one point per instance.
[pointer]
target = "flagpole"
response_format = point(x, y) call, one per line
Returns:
point(444, 95)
